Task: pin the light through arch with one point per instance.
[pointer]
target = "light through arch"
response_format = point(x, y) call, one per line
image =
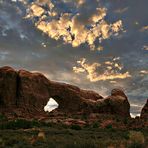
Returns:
point(51, 105)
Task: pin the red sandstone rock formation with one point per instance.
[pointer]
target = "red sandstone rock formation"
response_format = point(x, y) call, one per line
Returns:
point(22, 90)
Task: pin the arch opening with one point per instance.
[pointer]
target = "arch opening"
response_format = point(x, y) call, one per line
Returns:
point(51, 105)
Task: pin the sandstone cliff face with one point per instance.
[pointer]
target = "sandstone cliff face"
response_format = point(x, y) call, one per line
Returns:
point(144, 112)
point(8, 82)
point(31, 91)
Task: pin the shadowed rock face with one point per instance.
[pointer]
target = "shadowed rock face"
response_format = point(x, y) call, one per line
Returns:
point(117, 103)
point(31, 91)
point(144, 112)
point(8, 82)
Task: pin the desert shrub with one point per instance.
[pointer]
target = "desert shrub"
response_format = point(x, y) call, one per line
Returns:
point(3, 117)
point(12, 141)
point(24, 124)
point(76, 127)
point(95, 125)
point(136, 145)
point(84, 117)
point(36, 123)
point(15, 142)
point(19, 123)
point(125, 121)
point(82, 144)
point(64, 126)
point(109, 126)
point(136, 137)
point(125, 135)
point(118, 119)
point(87, 125)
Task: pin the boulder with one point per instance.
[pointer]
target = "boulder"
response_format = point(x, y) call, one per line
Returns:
point(118, 92)
point(117, 104)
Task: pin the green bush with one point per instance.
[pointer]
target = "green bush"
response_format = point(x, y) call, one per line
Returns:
point(136, 137)
point(109, 126)
point(84, 117)
point(125, 135)
point(82, 144)
point(3, 117)
point(125, 121)
point(20, 123)
point(95, 125)
point(76, 127)
point(17, 124)
point(136, 145)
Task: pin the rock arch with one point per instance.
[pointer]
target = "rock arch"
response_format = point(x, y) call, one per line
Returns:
point(31, 91)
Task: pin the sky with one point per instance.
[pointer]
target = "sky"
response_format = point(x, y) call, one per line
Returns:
point(94, 44)
point(51, 105)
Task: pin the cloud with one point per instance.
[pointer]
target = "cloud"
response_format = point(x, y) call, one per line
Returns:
point(121, 10)
point(133, 115)
point(80, 2)
point(111, 72)
point(140, 92)
point(3, 55)
point(136, 105)
point(75, 26)
point(37, 10)
point(113, 82)
point(11, 21)
point(144, 72)
point(145, 47)
point(144, 28)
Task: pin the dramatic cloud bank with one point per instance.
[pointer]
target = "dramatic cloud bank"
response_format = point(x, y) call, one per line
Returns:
point(80, 21)
point(111, 70)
